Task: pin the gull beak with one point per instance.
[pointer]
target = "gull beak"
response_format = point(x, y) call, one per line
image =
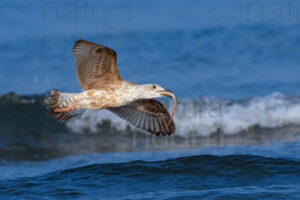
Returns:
point(168, 93)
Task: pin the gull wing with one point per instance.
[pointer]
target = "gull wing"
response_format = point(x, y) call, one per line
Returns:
point(96, 65)
point(147, 114)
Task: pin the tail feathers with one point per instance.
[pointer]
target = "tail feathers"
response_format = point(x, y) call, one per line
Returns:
point(57, 101)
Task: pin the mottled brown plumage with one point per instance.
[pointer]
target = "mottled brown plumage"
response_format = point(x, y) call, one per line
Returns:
point(96, 65)
point(103, 88)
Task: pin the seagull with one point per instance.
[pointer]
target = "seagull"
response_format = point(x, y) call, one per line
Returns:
point(103, 88)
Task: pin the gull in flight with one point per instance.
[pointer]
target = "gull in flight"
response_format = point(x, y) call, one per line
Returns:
point(103, 88)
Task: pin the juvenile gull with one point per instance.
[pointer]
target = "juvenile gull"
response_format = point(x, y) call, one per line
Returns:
point(103, 88)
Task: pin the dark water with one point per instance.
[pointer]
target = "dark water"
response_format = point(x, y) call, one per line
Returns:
point(192, 177)
point(234, 66)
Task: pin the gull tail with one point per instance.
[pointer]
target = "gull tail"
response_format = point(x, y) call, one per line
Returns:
point(62, 107)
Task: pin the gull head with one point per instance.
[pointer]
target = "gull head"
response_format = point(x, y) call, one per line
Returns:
point(150, 91)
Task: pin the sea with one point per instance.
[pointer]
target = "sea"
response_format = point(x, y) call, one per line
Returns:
point(233, 65)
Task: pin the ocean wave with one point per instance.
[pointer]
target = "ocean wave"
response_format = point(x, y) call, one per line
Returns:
point(202, 164)
point(193, 173)
point(28, 133)
point(203, 116)
point(206, 116)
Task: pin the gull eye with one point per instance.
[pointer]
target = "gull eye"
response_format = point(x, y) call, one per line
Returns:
point(154, 86)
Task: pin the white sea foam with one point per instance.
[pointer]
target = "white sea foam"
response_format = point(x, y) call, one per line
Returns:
point(206, 115)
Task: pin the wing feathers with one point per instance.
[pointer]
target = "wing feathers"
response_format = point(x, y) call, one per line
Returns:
point(156, 127)
point(135, 121)
point(145, 126)
point(151, 127)
point(149, 115)
point(141, 123)
point(96, 65)
point(161, 126)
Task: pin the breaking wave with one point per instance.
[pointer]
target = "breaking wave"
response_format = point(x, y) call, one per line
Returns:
point(28, 133)
point(206, 116)
point(203, 116)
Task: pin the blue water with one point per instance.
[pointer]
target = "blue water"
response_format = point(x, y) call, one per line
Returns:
point(231, 49)
point(215, 173)
point(246, 53)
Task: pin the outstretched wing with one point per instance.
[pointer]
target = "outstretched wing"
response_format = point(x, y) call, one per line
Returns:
point(147, 114)
point(96, 65)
